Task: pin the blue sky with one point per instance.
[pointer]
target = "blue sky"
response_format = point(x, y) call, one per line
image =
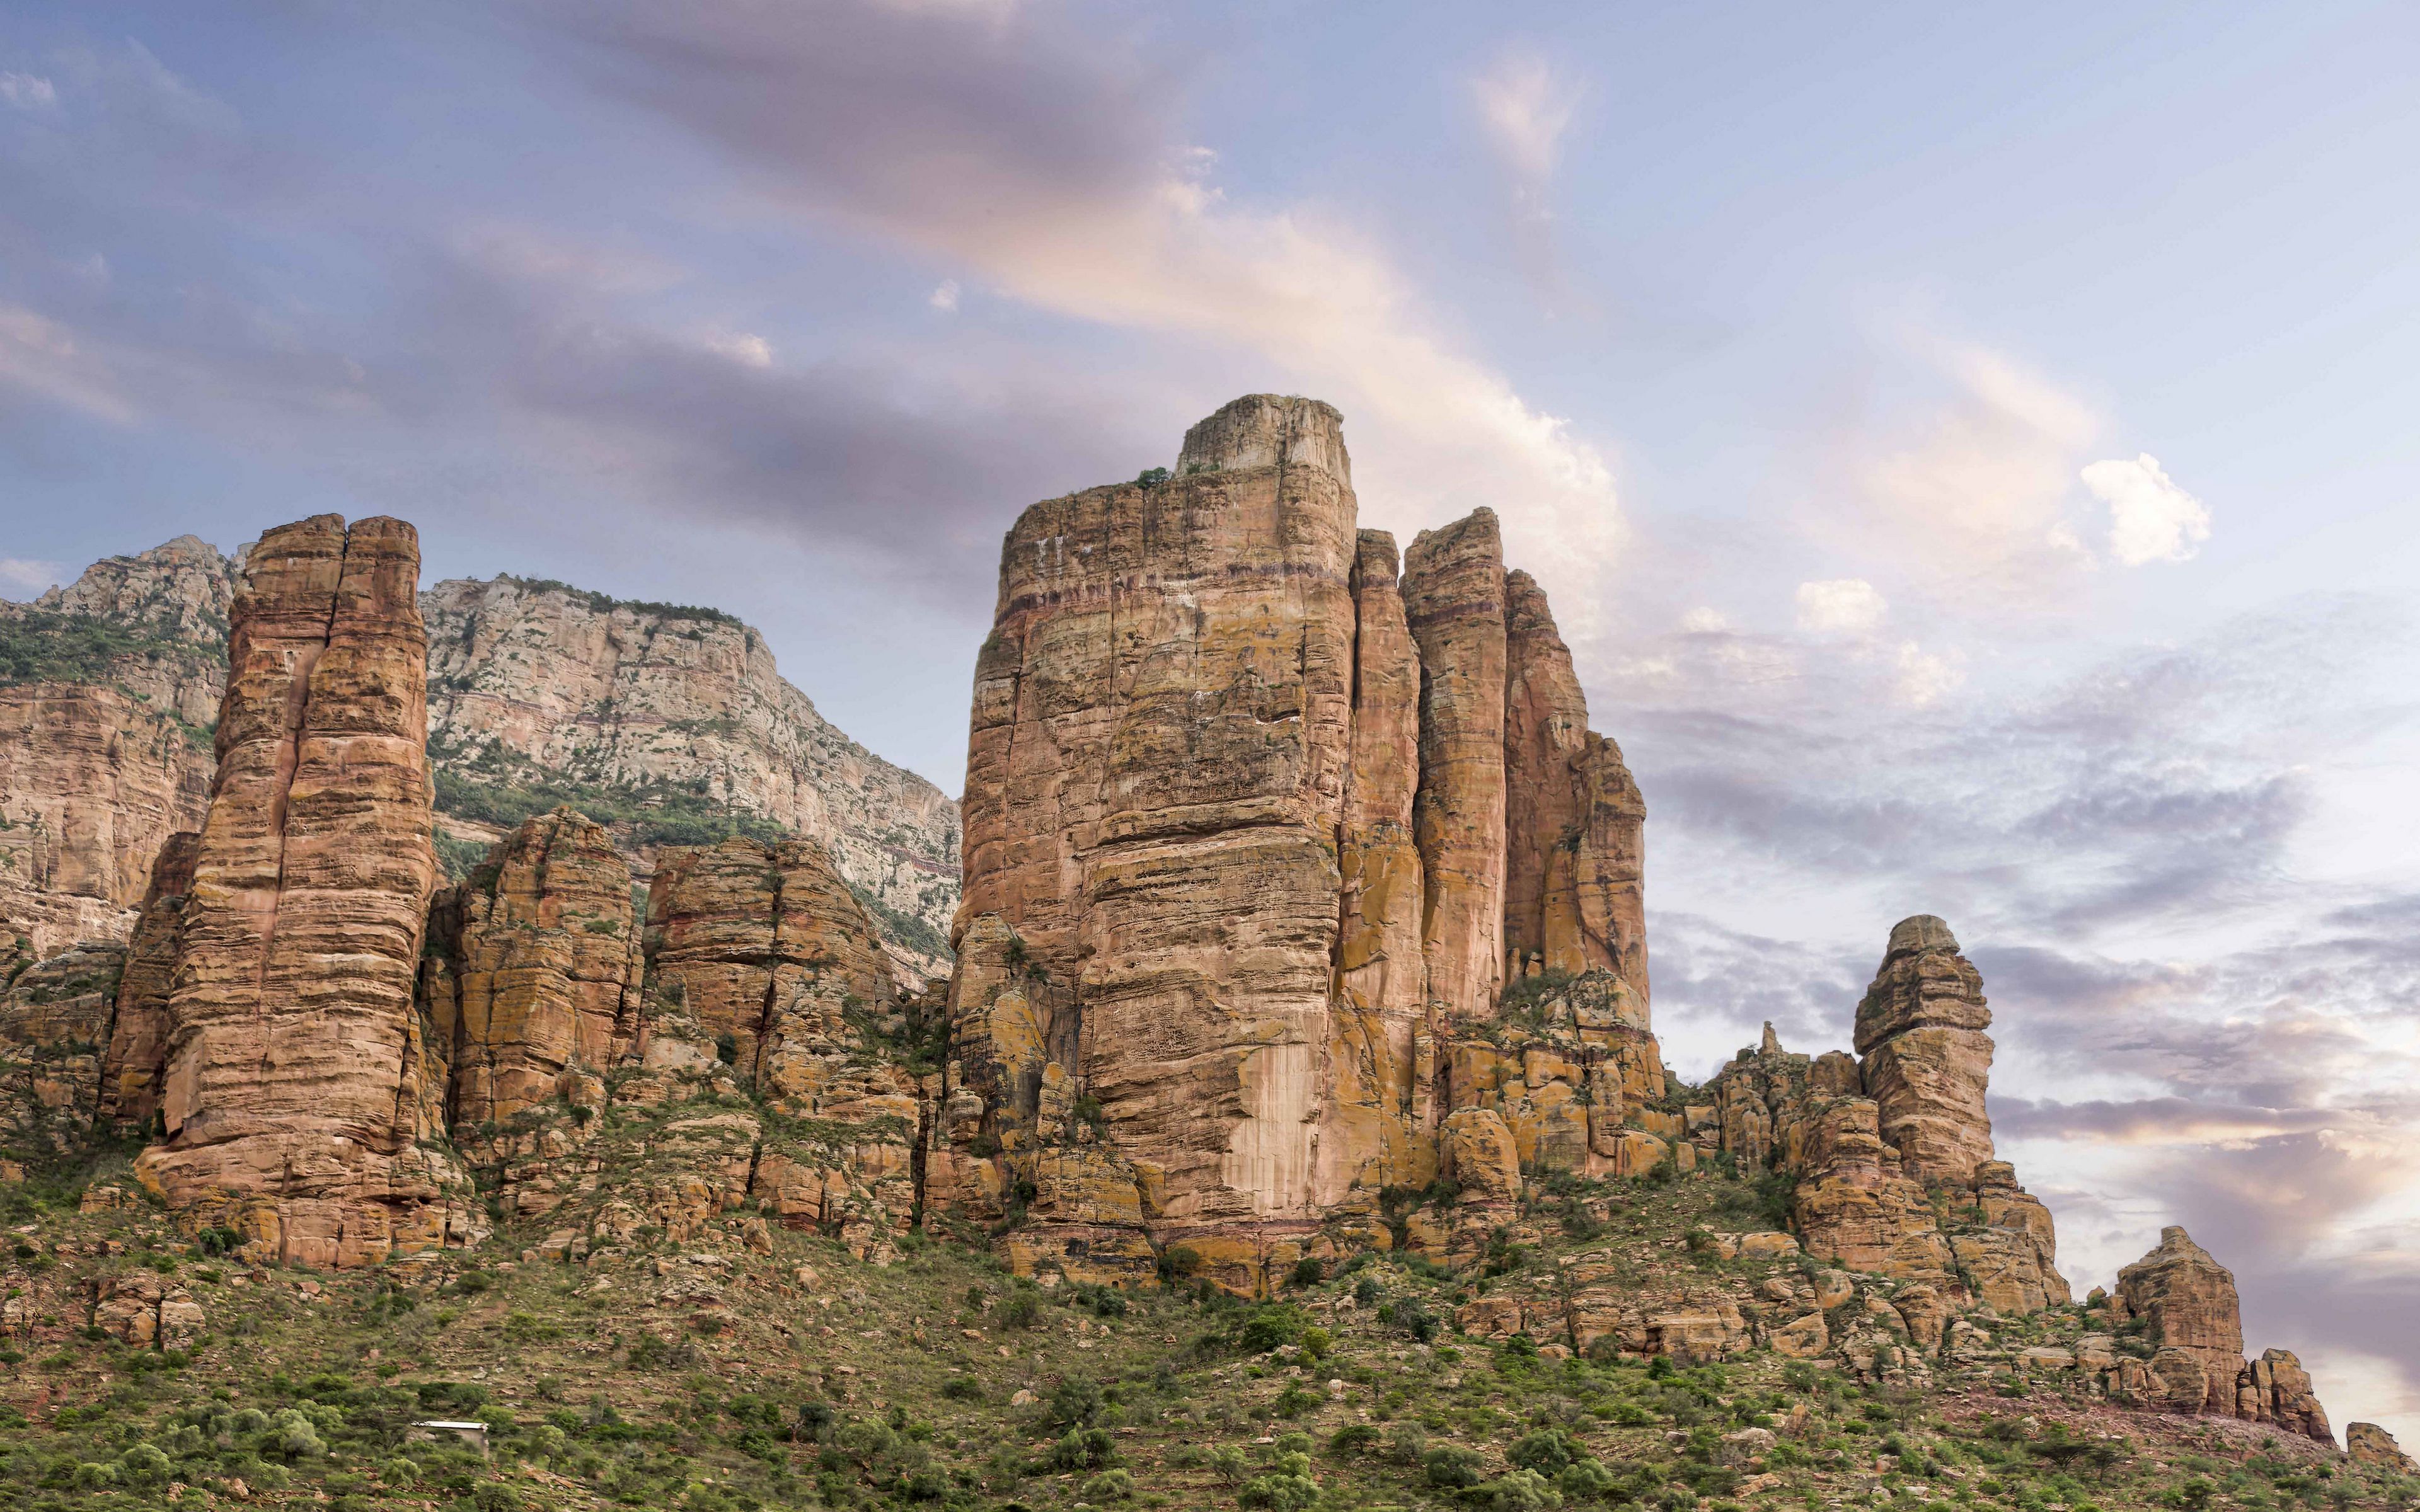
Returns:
point(1970, 451)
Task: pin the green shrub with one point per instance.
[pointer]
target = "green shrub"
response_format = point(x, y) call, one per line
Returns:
point(1523, 1491)
point(1449, 1466)
point(1547, 1451)
point(1584, 1480)
point(1108, 1485)
point(963, 1389)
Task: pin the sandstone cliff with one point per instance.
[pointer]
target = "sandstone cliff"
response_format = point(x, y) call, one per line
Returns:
point(1237, 835)
point(291, 1024)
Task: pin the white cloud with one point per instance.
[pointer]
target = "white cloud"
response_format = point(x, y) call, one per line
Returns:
point(2150, 518)
point(1526, 105)
point(1704, 620)
point(743, 347)
point(1841, 606)
point(945, 297)
point(26, 91)
point(1924, 677)
point(28, 574)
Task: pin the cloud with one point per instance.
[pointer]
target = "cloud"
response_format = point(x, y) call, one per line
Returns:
point(1047, 161)
point(944, 297)
point(1841, 606)
point(744, 349)
point(2150, 518)
point(26, 91)
point(1927, 677)
point(1524, 105)
point(31, 574)
point(1974, 490)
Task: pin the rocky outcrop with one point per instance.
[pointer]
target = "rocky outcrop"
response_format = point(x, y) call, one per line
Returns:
point(92, 780)
point(1923, 1054)
point(164, 618)
point(1453, 598)
point(53, 1020)
point(2372, 1446)
point(137, 1056)
point(765, 949)
point(2188, 1302)
point(2186, 1306)
point(673, 724)
point(532, 972)
point(292, 1028)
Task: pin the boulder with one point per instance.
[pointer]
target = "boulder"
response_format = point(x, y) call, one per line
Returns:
point(2372, 1446)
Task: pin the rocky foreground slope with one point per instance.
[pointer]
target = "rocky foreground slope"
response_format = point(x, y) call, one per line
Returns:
point(1299, 1005)
point(668, 723)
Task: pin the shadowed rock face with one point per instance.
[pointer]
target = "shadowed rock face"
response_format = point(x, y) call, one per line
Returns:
point(1454, 596)
point(292, 1024)
point(138, 1040)
point(1926, 1058)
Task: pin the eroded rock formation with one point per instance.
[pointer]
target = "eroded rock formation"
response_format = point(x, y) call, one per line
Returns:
point(291, 1025)
point(1242, 803)
point(1924, 1056)
point(2186, 1303)
point(137, 1055)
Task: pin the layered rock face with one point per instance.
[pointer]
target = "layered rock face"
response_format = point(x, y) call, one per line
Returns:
point(532, 971)
point(91, 781)
point(1240, 805)
point(2188, 1304)
point(292, 1024)
point(53, 1017)
point(1924, 1056)
point(2369, 1445)
point(540, 686)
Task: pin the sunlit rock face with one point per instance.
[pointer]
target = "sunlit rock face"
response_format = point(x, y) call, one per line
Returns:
point(1923, 1056)
point(292, 1028)
point(1238, 851)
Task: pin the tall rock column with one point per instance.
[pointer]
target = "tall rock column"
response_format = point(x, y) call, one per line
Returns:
point(1380, 1046)
point(292, 1019)
point(1157, 769)
point(1924, 1055)
point(1574, 840)
point(1453, 597)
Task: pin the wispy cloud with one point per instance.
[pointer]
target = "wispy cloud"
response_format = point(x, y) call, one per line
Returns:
point(1526, 105)
point(1841, 606)
point(31, 574)
point(1047, 162)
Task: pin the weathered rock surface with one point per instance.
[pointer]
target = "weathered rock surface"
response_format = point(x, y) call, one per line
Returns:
point(92, 780)
point(137, 1054)
point(53, 1019)
point(1924, 1056)
point(1574, 822)
point(293, 1024)
point(2190, 1303)
point(639, 709)
point(1236, 859)
point(532, 973)
point(1453, 598)
point(534, 683)
point(2369, 1445)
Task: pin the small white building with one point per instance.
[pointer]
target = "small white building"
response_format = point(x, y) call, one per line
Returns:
point(473, 1434)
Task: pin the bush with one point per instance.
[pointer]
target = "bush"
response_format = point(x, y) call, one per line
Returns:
point(143, 1465)
point(1075, 1402)
point(963, 1389)
point(1308, 1273)
point(1352, 1438)
point(1585, 1480)
point(1022, 1309)
point(1083, 1449)
point(1547, 1451)
point(1523, 1491)
point(1449, 1466)
point(1317, 1342)
point(1110, 1485)
point(1293, 1401)
point(1269, 1328)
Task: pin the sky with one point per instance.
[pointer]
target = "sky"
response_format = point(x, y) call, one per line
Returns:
point(1970, 451)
